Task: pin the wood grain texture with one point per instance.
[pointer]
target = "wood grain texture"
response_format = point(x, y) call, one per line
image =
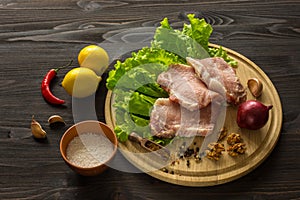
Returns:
point(38, 35)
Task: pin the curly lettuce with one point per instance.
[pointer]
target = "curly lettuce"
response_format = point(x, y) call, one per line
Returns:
point(181, 43)
point(192, 41)
point(144, 56)
point(220, 52)
point(198, 30)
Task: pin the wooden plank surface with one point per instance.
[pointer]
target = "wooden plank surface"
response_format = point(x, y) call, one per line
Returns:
point(38, 35)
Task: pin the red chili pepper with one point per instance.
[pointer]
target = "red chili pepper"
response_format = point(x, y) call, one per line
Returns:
point(45, 86)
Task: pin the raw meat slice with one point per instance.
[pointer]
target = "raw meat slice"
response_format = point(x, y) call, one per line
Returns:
point(219, 77)
point(184, 87)
point(168, 119)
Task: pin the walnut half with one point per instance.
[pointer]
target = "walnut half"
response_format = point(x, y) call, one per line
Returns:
point(215, 151)
point(234, 138)
point(236, 149)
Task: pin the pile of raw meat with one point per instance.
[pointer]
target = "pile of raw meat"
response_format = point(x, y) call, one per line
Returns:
point(197, 92)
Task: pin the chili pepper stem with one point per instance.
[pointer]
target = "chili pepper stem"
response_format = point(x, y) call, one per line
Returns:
point(64, 66)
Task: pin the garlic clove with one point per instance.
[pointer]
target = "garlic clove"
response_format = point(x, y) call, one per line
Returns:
point(36, 129)
point(55, 120)
point(255, 86)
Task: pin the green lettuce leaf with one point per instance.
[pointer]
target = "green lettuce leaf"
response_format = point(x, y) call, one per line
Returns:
point(140, 121)
point(132, 113)
point(220, 52)
point(192, 41)
point(183, 43)
point(140, 104)
point(144, 56)
point(130, 123)
point(161, 141)
point(153, 90)
point(143, 79)
point(198, 30)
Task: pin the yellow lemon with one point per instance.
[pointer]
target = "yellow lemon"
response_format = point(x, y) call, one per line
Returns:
point(94, 58)
point(81, 82)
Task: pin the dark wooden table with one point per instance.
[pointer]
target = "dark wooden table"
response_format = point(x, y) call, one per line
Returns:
point(36, 36)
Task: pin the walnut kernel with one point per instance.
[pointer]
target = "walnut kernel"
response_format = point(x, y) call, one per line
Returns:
point(236, 149)
point(215, 151)
point(234, 138)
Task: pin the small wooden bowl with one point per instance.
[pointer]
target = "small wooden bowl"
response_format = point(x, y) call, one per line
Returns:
point(89, 126)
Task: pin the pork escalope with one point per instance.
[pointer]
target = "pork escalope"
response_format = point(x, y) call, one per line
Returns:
point(169, 119)
point(220, 77)
point(185, 88)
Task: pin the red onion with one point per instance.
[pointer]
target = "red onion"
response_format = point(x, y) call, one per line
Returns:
point(252, 114)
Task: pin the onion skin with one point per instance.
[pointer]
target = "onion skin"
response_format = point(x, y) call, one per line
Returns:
point(252, 114)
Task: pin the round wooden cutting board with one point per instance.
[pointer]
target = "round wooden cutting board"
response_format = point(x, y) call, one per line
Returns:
point(209, 172)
